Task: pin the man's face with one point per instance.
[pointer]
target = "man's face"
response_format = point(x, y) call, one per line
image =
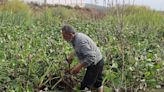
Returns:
point(67, 36)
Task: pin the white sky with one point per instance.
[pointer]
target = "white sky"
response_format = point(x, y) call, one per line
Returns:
point(154, 4)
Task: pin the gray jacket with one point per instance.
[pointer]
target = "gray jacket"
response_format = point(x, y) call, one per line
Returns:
point(86, 50)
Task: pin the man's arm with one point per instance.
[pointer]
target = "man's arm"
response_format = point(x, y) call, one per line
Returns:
point(77, 68)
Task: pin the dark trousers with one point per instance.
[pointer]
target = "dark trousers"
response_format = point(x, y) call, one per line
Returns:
point(93, 76)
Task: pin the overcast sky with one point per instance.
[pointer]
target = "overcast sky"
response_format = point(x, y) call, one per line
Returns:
point(154, 4)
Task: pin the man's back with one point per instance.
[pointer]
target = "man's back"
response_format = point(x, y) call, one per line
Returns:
point(84, 45)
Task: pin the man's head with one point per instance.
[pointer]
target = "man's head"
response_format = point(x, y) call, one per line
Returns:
point(68, 32)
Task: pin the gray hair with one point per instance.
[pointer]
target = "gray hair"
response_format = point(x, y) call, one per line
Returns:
point(68, 29)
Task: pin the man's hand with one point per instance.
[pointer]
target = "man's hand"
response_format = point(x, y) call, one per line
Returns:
point(70, 58)
point(77, 68)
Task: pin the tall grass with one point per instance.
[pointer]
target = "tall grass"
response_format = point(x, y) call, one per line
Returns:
point(32, 49)
point(135, 52)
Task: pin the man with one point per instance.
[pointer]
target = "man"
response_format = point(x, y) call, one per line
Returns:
point(89, 57)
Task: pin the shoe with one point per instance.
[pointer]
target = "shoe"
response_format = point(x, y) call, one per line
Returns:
point(85, 90)
point(100, 89)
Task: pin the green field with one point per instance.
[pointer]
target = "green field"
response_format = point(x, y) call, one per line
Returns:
point(32, 50)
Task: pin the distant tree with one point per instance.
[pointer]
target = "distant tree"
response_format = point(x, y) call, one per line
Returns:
point(71, 1)
point(104, 2)
point(81, 2)
point(45, 1)
point(3, 1)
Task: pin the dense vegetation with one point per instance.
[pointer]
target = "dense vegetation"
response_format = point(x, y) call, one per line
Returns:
point(32, 51)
